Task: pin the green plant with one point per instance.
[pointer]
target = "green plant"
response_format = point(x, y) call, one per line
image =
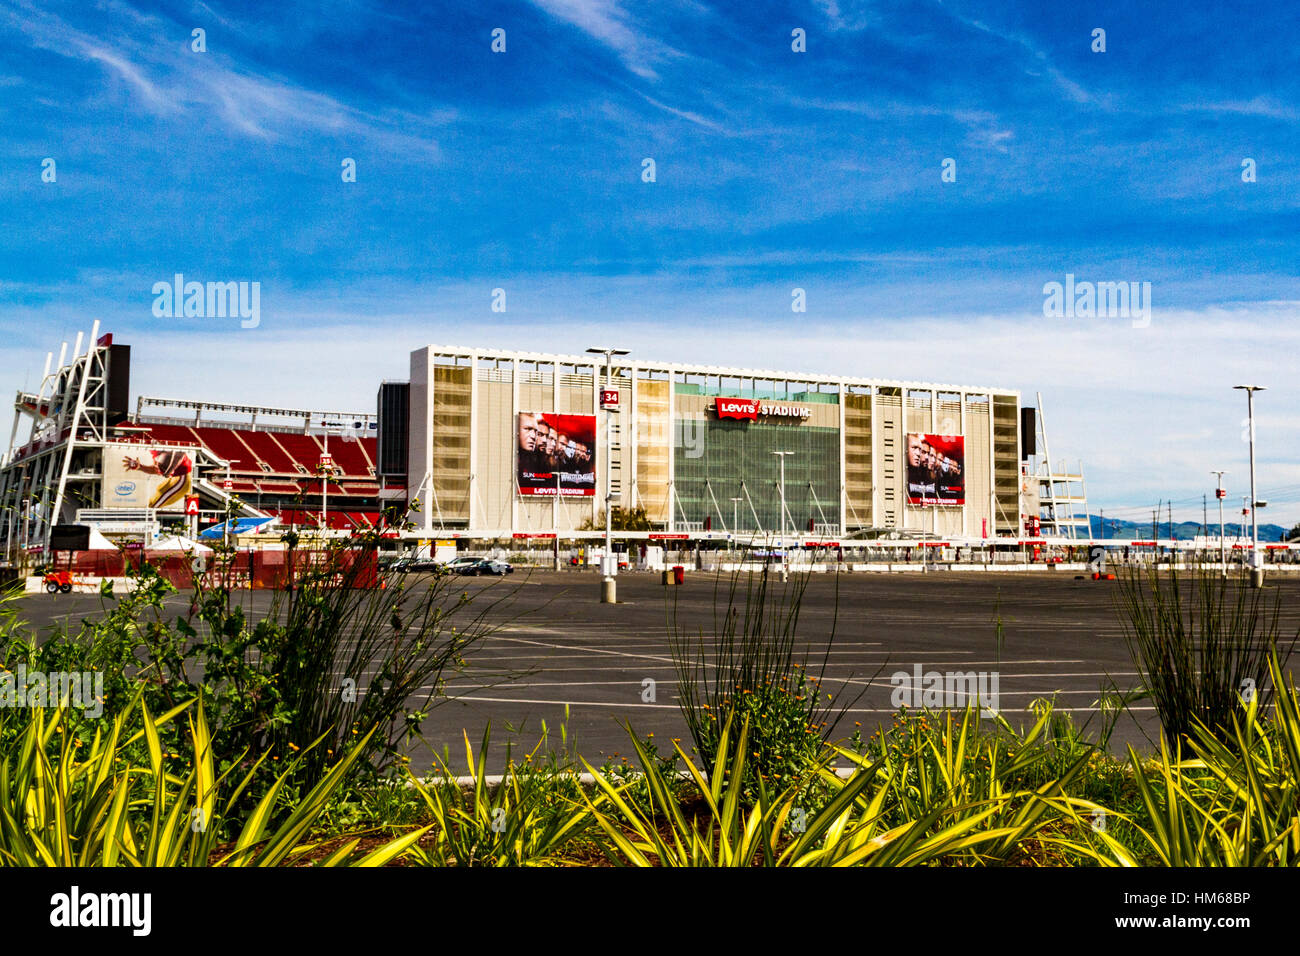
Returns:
point(65, 801)
point(524, 820)
point(753, 664)
point(331, 660)
point(1198, 644)
point(856, 825)
point(1234, 802)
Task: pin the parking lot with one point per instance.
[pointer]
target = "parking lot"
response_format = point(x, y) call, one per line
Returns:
point(558, 646)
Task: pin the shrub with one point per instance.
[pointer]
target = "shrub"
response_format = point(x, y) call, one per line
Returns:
point(752, 665)
point(1199, 643)
point(329, 661)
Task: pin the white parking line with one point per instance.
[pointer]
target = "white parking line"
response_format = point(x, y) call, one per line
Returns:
point(642, 706)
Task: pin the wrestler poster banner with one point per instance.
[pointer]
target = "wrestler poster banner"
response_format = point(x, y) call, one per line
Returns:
point(936, 469)
point(556, 454)
point(143, 476)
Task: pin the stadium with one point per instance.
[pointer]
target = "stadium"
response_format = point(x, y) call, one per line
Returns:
point(704, 451)
point(483, 445)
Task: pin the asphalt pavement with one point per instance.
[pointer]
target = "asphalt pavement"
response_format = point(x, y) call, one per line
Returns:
point(556, 646)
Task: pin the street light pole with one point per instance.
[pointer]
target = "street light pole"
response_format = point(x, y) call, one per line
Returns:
point(1223, 553)
point(1256, 566)
point(324, 487)
point(608, 594)
point(326, 467)
point(227, 487)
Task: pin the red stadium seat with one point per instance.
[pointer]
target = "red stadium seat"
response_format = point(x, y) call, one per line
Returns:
point(305, 450)
point(225, 444)
point(349, 457)
point(268, 450)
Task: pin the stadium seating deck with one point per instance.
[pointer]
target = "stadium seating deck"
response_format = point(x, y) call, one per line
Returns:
point(337, 520)
point(280, 452)
point(267, 449)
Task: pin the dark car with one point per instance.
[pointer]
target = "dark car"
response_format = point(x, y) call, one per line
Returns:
point(407, 565)
point(498, 568)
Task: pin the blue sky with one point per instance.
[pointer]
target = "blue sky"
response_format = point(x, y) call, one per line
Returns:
point(774, 170)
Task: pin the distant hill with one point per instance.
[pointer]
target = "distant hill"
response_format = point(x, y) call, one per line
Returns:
point(1183, 530)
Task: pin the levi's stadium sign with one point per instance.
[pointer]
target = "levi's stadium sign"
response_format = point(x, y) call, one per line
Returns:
point(752, 408)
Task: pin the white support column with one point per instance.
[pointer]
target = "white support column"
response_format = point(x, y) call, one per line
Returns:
point(934, 425)
point(1020, 521)
point(965, 516)
point(993, 491)
point(672, 450)
point(514, 458)
point(634, 438)
point(877, 493)
point(844, 447)
point(473, 437)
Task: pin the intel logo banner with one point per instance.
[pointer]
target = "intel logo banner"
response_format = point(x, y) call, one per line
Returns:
point(124, 488)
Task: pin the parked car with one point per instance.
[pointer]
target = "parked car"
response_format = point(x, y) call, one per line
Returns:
point(487, 566)
point(407, 565)
point(458, 565)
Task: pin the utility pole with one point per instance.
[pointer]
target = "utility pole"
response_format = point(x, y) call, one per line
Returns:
point(608, 594)
point(326, 466)
point(1256, 565)
point(227, 485)
point(1220, 494)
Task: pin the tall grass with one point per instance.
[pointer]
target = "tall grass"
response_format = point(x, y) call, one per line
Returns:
point(526, 819)
point(72, 802)
point(917, 807)
point(1200, 642)
point(755, 660)
point(1211, 800)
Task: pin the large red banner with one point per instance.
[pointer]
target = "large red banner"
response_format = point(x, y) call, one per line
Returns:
point(936, 469)
point(556, 454)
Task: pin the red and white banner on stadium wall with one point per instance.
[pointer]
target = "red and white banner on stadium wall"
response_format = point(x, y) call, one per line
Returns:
point(752, 408)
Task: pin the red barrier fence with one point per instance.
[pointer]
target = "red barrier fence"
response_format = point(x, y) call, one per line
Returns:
point(348, 567)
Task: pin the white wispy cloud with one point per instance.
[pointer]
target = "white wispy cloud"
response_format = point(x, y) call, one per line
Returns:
point(1264, 106)
point(1040, 63)
point(850, 15)
point(169, 78)
point(606, 22)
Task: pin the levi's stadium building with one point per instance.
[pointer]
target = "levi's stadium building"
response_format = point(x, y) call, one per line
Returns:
point(482, 444)
point(702, 449)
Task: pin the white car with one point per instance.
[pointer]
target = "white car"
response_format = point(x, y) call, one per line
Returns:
point(456, 565)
